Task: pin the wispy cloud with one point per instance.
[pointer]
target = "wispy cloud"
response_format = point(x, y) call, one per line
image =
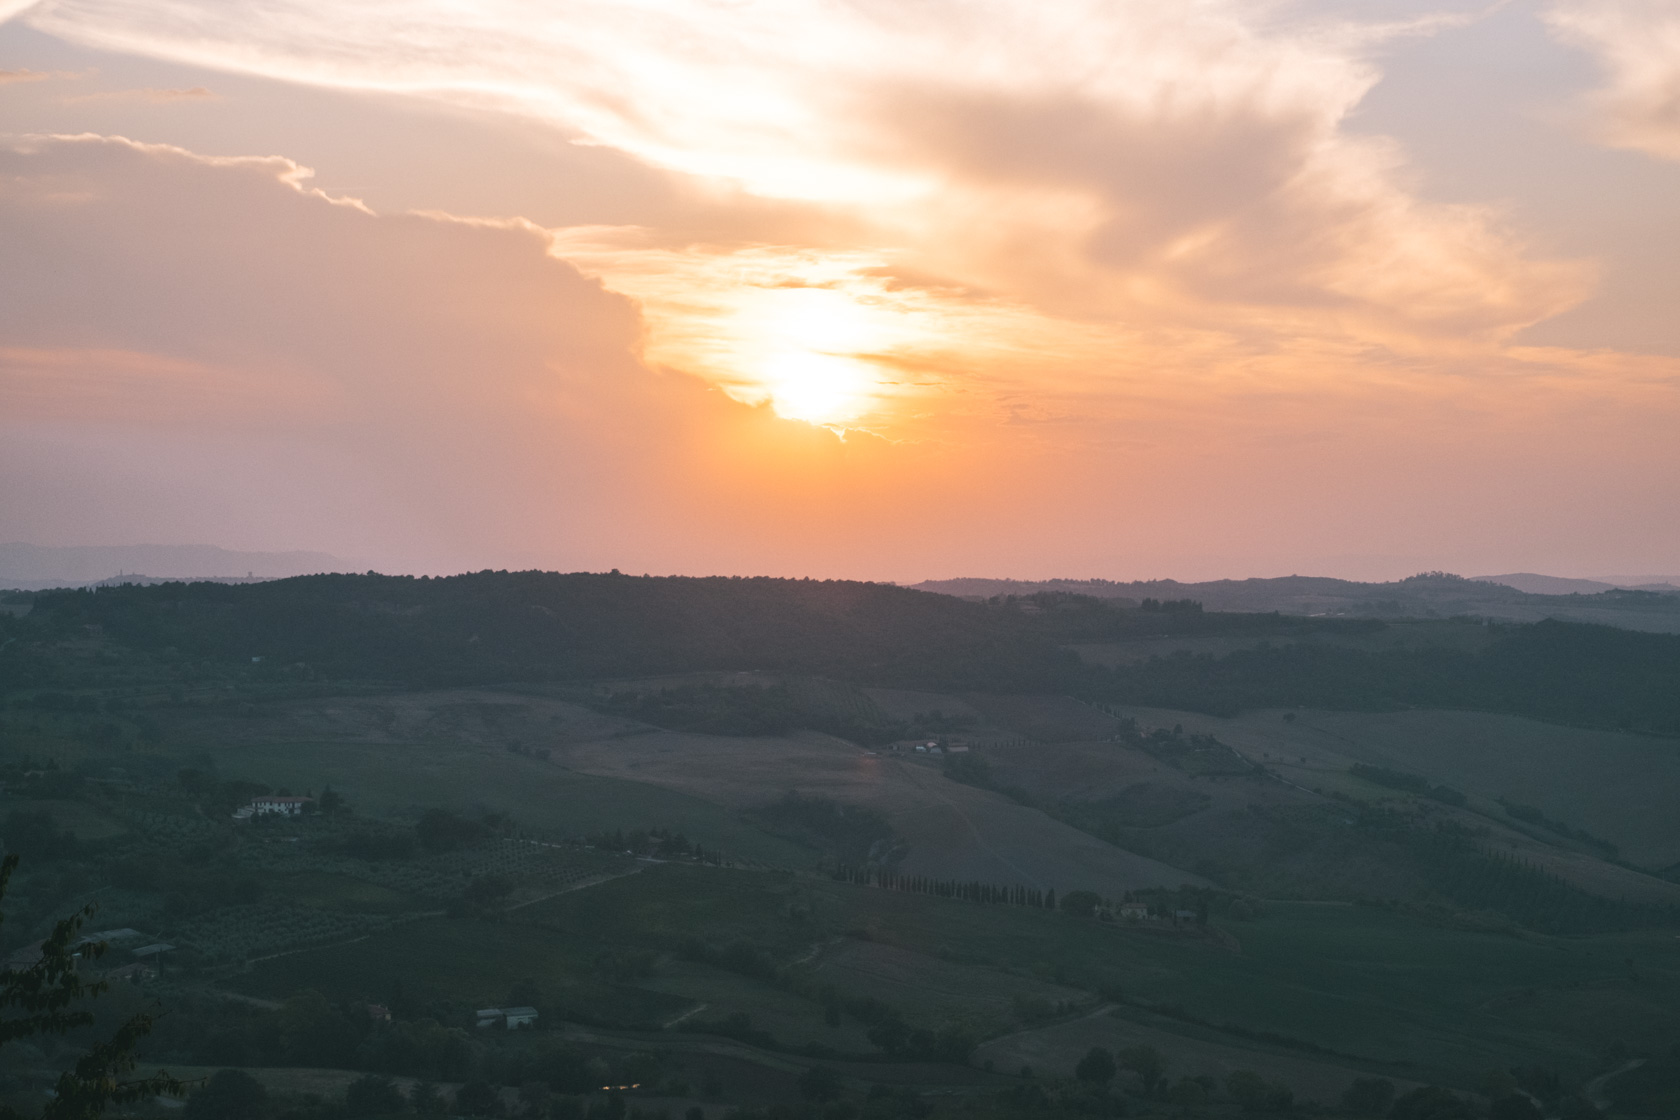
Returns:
point(227, 346)
point(13, 77)
point(1097, 161)
point(152, 96)
point(1637, 43)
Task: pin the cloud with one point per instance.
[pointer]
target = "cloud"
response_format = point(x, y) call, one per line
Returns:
point(11, 8)
point(1089, 286)
point(154, 96)
point(209, 348)
point(12, 77)
point(78, 385)
point(216, 327)
point(1097, 161)
point(1637, 44)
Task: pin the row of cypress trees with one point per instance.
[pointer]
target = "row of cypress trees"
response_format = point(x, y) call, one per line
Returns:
point(970, 891)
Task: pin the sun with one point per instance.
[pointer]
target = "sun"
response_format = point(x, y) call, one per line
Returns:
point(817, 388)
point(808, 339)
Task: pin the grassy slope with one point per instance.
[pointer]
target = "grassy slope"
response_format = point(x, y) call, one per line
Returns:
point(953, 831)
point(383, 779)
point(1615, 785)
point(1431, 1003)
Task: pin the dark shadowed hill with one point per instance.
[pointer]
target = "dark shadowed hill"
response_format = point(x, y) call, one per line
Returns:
point(502, 626)
point(523, 625)
point(1429, 595)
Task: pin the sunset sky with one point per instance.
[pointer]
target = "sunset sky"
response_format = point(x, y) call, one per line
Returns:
point(885, 289)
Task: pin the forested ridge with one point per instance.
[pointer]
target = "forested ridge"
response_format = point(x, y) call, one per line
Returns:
point(509, 626)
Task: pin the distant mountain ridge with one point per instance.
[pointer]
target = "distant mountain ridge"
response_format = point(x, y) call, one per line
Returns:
point(566, 630)
point(31, 567)
point(1429, 595)
point(1535, 584)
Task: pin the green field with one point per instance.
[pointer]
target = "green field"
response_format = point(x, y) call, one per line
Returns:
point(1613, 784)
point(1351, 987)
point(1442, 852)
point(394, 779)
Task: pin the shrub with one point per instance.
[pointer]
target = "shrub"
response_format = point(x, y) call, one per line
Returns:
point(1147, 1063)
point(1096, 1067)
point(476, 1098)
point(1368, 1096)
point(1081, 903)
point(230, 1094)
point(819, 1083)
point(439, 830)
point(1431, 1103)
point(373, 1095)
point(1514, 1106)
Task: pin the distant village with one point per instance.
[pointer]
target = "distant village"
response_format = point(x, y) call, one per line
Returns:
point(273, 804)
point(930, 746)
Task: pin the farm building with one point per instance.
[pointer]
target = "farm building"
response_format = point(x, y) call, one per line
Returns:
point(288, 806)
point(509, 1017)
point(134, 973)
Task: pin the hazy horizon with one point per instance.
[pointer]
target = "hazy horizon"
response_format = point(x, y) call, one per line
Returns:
point(35, 565)
point(1108, 290)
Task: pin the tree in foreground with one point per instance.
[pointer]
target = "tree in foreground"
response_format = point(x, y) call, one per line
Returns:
point(1514, 1106)
point(819, 1083)
point(1368, 1096)
point(1431, 1102)
point(231, 1094)
point(1147, 1063)
point(1188, 1095)
point(373, 1095)
point(49, 998)
point(1255, 1094)
point(1096, 1067)
point(476, 1098)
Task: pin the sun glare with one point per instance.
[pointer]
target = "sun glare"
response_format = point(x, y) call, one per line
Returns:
point(812, 334)
point(817, 388)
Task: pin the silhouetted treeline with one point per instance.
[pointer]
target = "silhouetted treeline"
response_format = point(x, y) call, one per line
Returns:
point(1593, 676)
point(1410, 783)
point(844, 832)
point(498, 626)
point(501, 626)
point(966, 891)
point(1491, 880)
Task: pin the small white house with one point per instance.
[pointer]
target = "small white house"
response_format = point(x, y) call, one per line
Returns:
point(286, 806)
point(489, 1017)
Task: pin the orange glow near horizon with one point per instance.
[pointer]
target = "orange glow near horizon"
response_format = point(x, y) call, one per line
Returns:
point(1035, 286)
point(811, 334)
